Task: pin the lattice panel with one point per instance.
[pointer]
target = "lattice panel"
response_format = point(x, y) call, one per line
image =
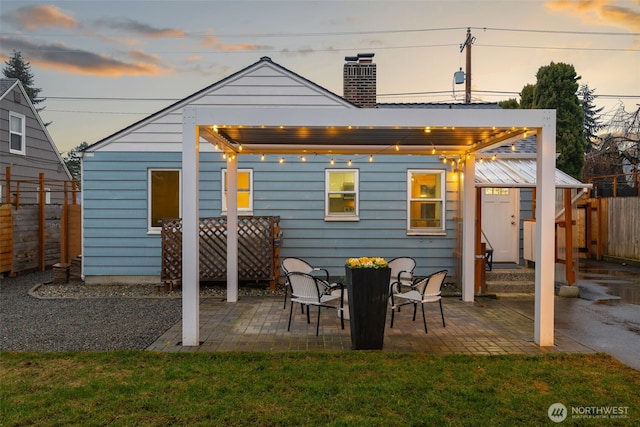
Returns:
point(259, 240)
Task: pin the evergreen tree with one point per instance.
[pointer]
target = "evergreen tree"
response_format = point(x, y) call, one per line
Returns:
point(591, 123)
point(556, 87)
point(17, 68)
point(72, 161)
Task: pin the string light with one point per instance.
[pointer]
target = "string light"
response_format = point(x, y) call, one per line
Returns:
point(349, 162)
point(224, 156)
point(493, 157)
point(303, 159)
point(281, 160)
point(332, 161)
point(240, 147)
point(513, 147)
point(433, 150)
point(370, 158)
point(262, 157)
point(397, 147)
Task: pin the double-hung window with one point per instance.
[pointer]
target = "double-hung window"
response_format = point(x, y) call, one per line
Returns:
point(17, 133)
point(341, 195)
point(164, 197)
point(426, 201)
point(245, 191)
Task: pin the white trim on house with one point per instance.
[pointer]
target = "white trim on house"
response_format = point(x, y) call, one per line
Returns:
point(427, 230)
point(22, 133)
point(242, 211)
point(151, 229)
point(353, 215)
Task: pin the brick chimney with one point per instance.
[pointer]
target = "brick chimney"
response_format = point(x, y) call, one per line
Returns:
point(359, 78)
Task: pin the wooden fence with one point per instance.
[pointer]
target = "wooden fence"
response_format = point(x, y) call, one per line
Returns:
point(38, 235)
point(612, 227)
point(259, 241)
point(34, 238)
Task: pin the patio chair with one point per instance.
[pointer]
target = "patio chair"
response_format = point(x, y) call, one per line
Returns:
point(291, 264)
point(423, 291)
point(402, 271)
point(309, 290)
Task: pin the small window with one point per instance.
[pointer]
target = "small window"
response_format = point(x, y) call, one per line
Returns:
point(245, 191)
point(426, 201)
point(341, 191)
point(496, 191)
point(164, 197)
point(47, 195)
point(17, 133)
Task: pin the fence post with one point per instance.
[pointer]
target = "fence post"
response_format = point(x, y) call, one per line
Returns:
point(41, 195)
point(7, 192)
point(568, 233)
point(64, 221)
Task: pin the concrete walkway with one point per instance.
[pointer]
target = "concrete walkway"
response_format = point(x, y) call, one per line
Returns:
point(488, 326)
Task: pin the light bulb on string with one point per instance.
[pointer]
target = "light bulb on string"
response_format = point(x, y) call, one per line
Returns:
point(281, 160)
point(370, 158)
point(332, 161)
point(262, 157)
point(349, 162)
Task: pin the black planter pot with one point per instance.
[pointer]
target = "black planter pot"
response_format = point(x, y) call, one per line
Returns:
point(368, 291)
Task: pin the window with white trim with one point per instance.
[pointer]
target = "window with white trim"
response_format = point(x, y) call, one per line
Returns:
point(17, 126)
point(47, 195)
point(163, 197)
point(426, 201)
point(341, 195)
point(245, 191)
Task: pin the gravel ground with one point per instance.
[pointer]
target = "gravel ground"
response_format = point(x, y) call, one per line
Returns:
point(28, 323)
point(36, 315)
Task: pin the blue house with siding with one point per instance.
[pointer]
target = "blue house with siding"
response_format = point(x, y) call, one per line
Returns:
point(330, 207)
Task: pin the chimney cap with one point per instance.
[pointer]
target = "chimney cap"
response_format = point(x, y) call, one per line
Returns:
point(351, 58)
point(366, 55)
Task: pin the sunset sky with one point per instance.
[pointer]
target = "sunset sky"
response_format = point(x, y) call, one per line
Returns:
point(103, 65)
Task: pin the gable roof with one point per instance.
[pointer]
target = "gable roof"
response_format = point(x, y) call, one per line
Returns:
point(6, 86)
point(264, 61)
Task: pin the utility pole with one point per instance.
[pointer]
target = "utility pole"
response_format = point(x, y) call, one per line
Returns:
point(467, 86)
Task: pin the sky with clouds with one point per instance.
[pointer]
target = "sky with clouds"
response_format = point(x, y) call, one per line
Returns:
point(103, 65)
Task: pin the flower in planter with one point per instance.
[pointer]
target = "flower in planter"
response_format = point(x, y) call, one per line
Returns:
point(366, 262)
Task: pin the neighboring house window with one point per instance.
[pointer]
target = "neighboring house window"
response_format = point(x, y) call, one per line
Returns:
point(245, 191)
point(47, 195)
point(341, 195)
point(426, 201)
point(164, 196)
point(17, 133)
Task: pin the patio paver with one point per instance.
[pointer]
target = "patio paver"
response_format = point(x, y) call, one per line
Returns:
point(487, 326)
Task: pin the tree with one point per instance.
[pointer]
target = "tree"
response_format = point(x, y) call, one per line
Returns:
point(591, 122)
point(17, 68)
point(509, 104)
point(556, 87)
point(72, 161)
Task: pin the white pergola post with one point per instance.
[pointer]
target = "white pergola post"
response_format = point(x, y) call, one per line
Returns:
point(468, 229)
point(232, 230)
point(545, 231)
point(190, 230)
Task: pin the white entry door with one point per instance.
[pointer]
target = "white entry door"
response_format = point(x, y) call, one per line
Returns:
point(500, 219)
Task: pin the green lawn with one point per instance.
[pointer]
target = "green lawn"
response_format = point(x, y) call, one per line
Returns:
point(309, 388)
